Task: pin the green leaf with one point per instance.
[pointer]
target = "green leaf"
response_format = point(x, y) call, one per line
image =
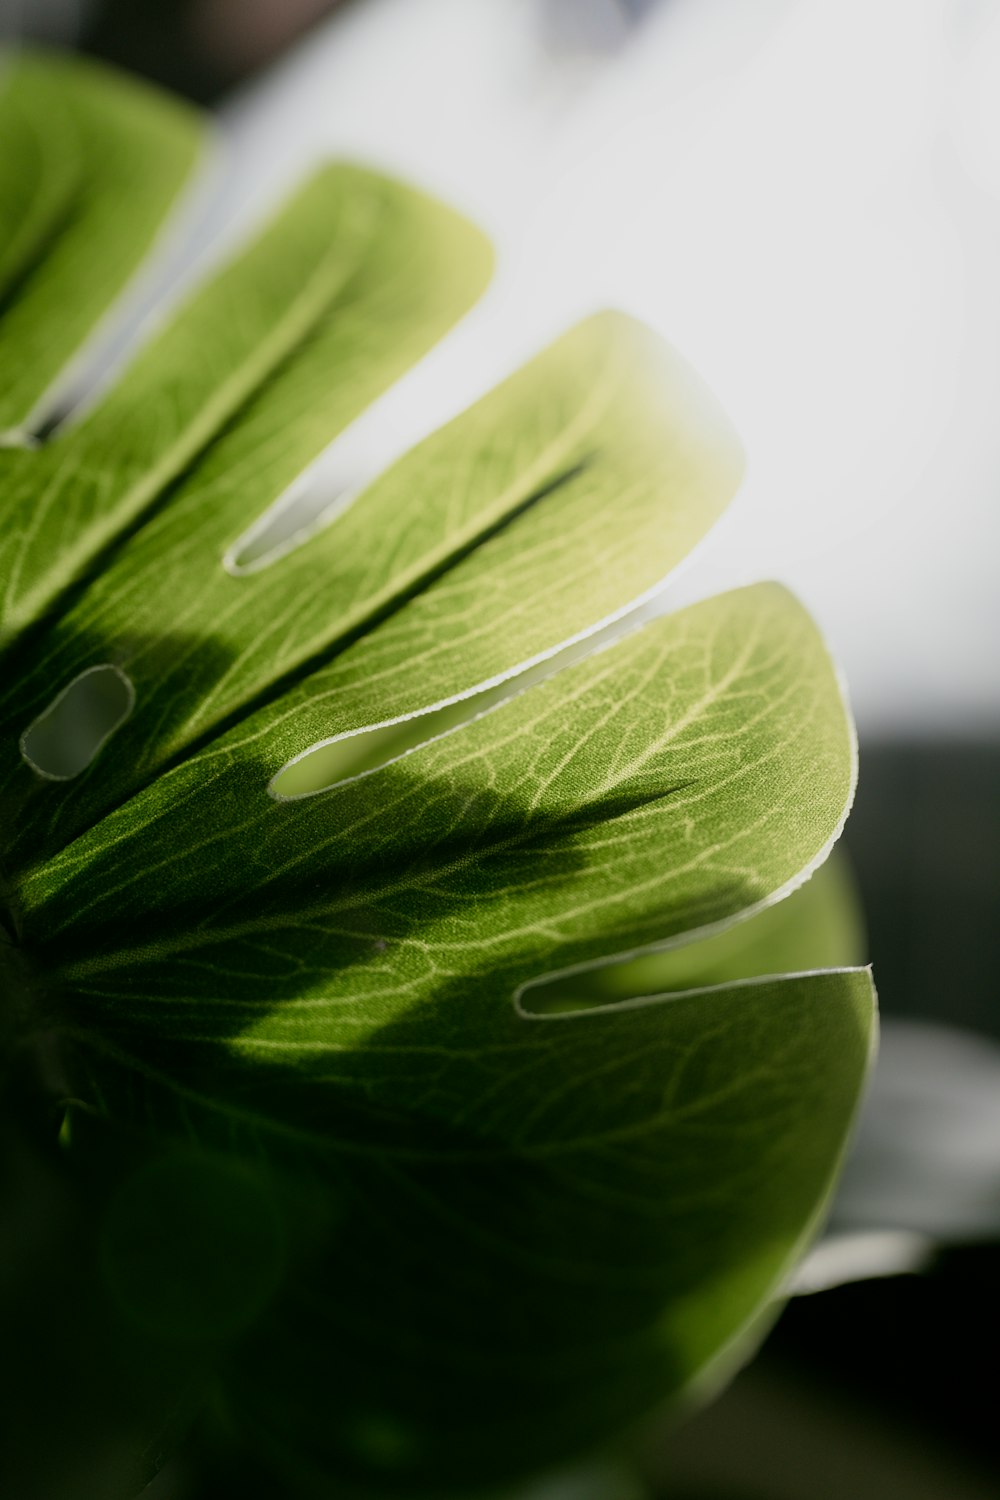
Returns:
point(488, 1199)
point(543, 510)
point(707, 757)
point(602, 1226)
point(91, 163)
point(355, 269)
point(344, 970)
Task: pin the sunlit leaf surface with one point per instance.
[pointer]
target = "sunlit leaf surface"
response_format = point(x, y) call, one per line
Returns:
point(427, 1191)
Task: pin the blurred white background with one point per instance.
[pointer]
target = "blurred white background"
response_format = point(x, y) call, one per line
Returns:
point(802, 195)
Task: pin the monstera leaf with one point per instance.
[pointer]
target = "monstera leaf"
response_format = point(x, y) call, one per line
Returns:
point(375, 1159)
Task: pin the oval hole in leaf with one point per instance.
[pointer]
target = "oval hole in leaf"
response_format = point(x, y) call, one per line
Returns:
point(66, 737)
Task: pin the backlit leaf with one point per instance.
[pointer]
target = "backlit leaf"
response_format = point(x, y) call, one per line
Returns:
point(458, 1114)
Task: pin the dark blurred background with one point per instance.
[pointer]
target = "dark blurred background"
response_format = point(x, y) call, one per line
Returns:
point(885, 1387)
point(200, 48)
